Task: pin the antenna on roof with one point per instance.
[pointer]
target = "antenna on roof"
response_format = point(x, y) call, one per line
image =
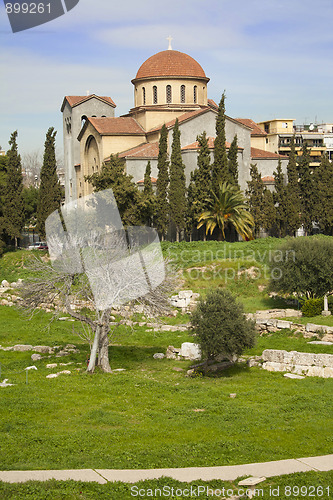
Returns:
point(169, 38)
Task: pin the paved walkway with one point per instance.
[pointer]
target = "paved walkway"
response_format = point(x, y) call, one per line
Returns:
point(188, 474)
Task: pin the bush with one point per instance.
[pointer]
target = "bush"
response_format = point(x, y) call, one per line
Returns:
point(303, 266)
point(221, 326)
point(312, 307)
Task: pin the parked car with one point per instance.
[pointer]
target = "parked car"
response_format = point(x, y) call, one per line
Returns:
point(34, 246)
point(43, 246)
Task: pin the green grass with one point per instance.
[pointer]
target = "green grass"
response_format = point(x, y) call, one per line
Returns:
point(318, 485)
point(144, 417)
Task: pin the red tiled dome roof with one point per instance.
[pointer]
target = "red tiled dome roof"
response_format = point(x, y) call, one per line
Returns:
point(170, 63)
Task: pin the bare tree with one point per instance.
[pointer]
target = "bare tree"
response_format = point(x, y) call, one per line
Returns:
point(32, 164)
point(106, 279)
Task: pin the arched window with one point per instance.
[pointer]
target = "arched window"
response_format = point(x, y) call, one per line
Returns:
point(168, 94)
point(155, 94)
point(195, 96)
point(182, 93)
point(143, 95)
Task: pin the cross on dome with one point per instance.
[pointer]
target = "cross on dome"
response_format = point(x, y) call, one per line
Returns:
point(169, 38)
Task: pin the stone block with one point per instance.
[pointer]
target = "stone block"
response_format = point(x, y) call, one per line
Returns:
point(185, 294)
point(190, 351)
point(159, 355)
point(44, 349)
point(22, 347)
point(36, 357)
point(304, 358)
point(292, 313)
point(315, 371)
point(328, 372)
point(283, 324)
point(293, 375)
point(273, 355)
point(311, 327)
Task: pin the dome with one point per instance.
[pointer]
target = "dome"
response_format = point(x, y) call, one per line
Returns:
point(170, 63)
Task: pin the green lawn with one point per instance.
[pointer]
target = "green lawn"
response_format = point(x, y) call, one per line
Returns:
point(144, 417)
point(296, 486)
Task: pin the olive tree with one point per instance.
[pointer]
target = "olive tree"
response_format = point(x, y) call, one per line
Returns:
point(303, 266)
point(221, 326)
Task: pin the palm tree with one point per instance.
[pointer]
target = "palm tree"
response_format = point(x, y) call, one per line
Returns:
point(227, 207)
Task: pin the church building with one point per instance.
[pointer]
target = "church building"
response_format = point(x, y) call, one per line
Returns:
point(168, 85)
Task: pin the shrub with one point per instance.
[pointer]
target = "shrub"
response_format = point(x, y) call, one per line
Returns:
point(303, 266)
point(312, 307)
point(221, 326)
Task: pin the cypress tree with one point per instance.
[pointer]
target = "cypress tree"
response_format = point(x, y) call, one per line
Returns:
point(268, 211)
point(177, 188)
point(13, 216)
point(323, 193)
point(279, 198)
point(162, 206)
point(199, 189)
point(148, 196)
point(49, 191)
point(306, 189)
point(220, 165)
point(255, 193)
point(293, 203)
point(233, 162)
point(191, 204)
point(3, 176)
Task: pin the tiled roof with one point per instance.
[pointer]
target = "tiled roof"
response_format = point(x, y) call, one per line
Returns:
point(147, 150)
point(211, 140)
point(256, 130)
point(212, 104)
point(170, 63)
point(182, 118)
point(268, 178)
point(116, 126)
point(261, 154)
point(153, 180)
point(74, 100)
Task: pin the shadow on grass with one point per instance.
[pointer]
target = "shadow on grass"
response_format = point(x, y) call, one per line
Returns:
point(237, 369)
point(133, 354)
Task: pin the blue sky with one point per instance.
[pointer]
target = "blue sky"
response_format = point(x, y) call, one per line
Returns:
point(274, 59)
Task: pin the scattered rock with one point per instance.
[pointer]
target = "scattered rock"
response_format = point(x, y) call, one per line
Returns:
point(178, 369)
point(44, 349)
point(232, 395)
point(22, 347)
point(293, 375)
point(320, 342)
point(33, 367)
point(5, 383)
point(36, 357)
point(118, 370)
point(198, 409)
point(66, 364)
point(52, 375)
point(190, 351)
point(5, 284)
point(190, 373)
point(159, 355)
point(61, 354)
point(52, 365)
point(64, 372)
point(172, 352)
